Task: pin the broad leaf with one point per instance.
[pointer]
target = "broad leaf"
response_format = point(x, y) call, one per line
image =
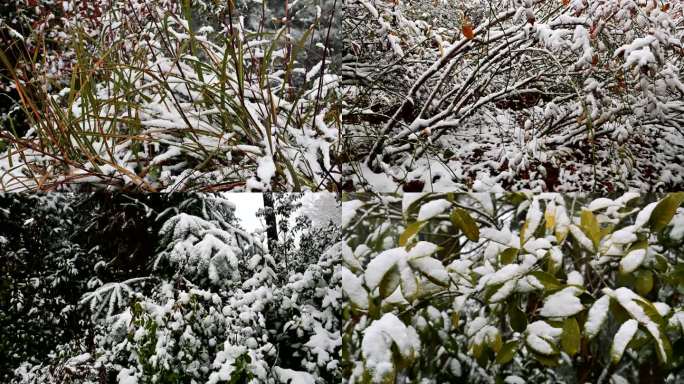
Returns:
point(461, 219)
point(507, 352)
point(665, 210)
point(570, 340)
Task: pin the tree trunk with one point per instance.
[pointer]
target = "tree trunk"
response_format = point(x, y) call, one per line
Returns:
point(270, 217)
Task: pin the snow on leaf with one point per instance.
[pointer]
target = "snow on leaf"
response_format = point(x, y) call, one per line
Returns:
point(432, 209)
point(378, 340)
point(352, 286)
point(289, 376)
point(623, 336)
point(431, 268)
point(598, 313)
point(381, 264)
point(562, 304)
point(421, 249)
point(532, 221)
point(349, 210)
point(632, 260)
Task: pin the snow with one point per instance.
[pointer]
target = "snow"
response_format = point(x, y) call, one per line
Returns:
point(349, 209)
point(378, 340)
point(502, 237)
point(601, 203)
point(632, 260)
point(562, 304)
point(581, 237)
point(503, 292)
point(288, 376)
point(352, 286)
point(644, 215)
point(626, 297)
point(513, 379)
point(127, 376)
point(541, 337)
point(421, 249)
point(379, 265)
point(432, 209)
point(508, 272)
point(598, 313)
point(533, 218)
point(623, 336)
point(575, 278)
point(432, 268)
point(662, 308)
point(624, 236)
point(349, 258)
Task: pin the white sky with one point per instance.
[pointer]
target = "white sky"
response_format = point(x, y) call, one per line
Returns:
point(246, 206)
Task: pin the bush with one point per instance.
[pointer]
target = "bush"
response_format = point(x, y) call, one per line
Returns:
point(481, 288)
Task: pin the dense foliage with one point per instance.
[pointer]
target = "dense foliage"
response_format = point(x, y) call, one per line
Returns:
point(513, 288)
point(191, 298)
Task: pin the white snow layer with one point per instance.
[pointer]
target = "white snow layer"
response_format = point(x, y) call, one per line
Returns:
point(352, 286)
point(622, 338)
point(632, 260)
point(349, 209)
point(289, 376)
point(562, 304)
point(378, 340)
point(598, 313)
point(432, 209)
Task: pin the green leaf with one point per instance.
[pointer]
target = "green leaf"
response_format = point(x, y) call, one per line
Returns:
point(570, 340)
point(663, 346)
point(461, 219)
point(410, 230)
point(590, 227)
point(644, 282)
point(664, 211)
point(389, 282)
point(508, 255)
point(549, 361)
point(517, 318)
point(548, 280)
point(507, 352)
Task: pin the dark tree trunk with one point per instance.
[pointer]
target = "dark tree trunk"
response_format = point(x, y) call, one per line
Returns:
point(270, 217)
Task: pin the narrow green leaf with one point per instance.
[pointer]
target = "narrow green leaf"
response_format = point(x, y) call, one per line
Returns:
point(390, 282)
point(570, 340)
point(590, 227)
point(461, 219)
point(410, 230)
